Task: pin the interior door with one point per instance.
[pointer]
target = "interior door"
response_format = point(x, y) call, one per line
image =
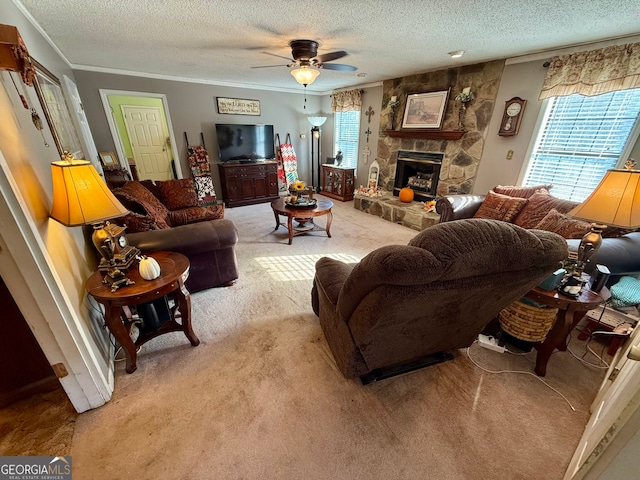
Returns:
point(148, 138)
point(87, 139)
point(610, 409)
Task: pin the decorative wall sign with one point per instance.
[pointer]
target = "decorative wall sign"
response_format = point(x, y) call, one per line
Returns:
point(425, 110)
point(238, 106)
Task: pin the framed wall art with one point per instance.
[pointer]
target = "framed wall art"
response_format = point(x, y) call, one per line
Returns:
point(56, 111)
point(238, 106)
point(425, 110)
point(109, 159)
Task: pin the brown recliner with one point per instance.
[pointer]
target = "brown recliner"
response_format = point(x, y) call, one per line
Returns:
point(403, 307)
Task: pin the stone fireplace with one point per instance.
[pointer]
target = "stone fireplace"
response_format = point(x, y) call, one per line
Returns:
point(420, 171)
point(445, 160)
point(460, 155)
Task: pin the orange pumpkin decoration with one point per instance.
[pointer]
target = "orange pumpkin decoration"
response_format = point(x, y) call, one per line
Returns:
point(406, 195)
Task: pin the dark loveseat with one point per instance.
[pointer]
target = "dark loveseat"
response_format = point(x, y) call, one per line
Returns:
point(167, 216)
point(619, 251)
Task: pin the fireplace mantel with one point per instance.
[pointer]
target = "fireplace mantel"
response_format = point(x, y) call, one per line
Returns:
point(427, 133)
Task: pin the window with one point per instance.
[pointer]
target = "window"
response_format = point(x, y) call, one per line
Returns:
point(347, 127)
point(580, 139)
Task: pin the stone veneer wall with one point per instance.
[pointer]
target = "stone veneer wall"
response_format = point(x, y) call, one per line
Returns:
point(461, 157)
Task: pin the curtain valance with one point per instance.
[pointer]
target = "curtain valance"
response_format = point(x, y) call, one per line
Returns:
point(346, 100)
point(593, 72)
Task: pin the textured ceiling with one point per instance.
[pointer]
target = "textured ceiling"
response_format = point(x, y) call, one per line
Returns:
point(218, 41)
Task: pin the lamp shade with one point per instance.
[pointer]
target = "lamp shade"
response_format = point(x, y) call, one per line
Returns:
point(80, 196)
point(317, 121)
point(305, 75)
point(614, 202)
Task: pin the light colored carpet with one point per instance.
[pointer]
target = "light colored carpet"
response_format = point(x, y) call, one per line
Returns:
point(260, 397)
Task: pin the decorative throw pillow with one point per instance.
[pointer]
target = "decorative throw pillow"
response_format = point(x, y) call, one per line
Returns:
point(149, 185)
point(563, 225)
point(152, 206)
point(137, 223)
point(540, 203)
point(196, 214)
point(500, 207)
point(522, 192)
point(177, 194)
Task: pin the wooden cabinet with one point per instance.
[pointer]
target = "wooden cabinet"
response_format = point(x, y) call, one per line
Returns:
point(337, 182)
point(248, 183)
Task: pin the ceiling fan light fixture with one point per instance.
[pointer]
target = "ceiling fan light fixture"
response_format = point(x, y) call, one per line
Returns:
point(305, 75)
point(456, 53)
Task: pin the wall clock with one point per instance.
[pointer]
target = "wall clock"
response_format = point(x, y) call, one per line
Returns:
point(513, 112)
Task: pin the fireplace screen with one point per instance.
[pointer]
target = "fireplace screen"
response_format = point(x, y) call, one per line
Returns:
point(420, 171)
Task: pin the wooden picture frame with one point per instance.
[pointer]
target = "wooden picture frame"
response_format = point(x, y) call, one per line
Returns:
point(56, 111)
point(425, 110)
point(109, 160)
point(238, 106)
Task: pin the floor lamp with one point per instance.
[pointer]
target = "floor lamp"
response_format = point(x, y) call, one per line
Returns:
point(316, 123)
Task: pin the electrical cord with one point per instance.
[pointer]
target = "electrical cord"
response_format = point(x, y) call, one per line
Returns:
point(517, 371)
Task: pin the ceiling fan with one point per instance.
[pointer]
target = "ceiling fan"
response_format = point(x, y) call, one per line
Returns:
point(305, 56)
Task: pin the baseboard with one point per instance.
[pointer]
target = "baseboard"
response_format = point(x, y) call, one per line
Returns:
point(394, 370)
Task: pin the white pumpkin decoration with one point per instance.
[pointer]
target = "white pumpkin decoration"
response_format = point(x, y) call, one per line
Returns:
point(149, 268)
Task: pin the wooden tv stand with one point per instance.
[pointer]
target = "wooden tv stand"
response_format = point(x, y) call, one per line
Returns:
point(248, 183)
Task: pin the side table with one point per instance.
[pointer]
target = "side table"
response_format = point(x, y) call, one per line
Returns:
point(174, 270)
point(570, 311)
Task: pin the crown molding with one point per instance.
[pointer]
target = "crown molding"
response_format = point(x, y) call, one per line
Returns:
point(158, 76)
point(40, 30)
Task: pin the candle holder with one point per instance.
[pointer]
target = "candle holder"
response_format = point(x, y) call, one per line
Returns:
point(464, 97)
point(393, 104)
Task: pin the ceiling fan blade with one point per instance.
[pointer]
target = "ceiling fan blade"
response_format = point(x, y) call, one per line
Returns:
point(328, 57)
point(269, 66)
point(338, 66)
point(279, 56)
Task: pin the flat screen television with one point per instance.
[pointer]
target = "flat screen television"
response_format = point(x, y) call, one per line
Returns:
point(245, 143)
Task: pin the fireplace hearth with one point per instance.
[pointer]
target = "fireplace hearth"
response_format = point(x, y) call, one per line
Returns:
point(420, 171)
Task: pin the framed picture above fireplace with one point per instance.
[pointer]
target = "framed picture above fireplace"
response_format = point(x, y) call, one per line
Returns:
point(425, 110)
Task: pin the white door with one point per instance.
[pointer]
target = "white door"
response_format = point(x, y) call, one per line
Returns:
point(148, 137)
point(613, 404)
point(85, 132)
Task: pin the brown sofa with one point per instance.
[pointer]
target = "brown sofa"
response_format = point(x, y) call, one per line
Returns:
point(402, 303)
point(167, 216)
point(540, 210)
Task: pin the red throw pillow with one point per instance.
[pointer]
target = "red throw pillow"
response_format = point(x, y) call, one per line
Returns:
point(522, 192)
point(500, 207)
point(563, 225)
point(177, 194)
point(539, 205)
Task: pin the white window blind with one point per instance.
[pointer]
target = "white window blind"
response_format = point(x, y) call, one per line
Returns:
point(580, 139)
point(347, 128)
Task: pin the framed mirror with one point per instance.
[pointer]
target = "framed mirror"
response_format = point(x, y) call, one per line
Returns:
point(57, 112)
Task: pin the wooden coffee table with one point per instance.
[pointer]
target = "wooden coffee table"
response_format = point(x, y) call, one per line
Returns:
point(570, 311)
point(304, 216)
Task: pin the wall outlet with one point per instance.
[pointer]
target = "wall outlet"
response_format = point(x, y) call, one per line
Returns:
point(490, 343)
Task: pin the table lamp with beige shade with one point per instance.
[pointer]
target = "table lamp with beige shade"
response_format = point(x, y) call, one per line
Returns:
point(615, 202)
point(80, 197)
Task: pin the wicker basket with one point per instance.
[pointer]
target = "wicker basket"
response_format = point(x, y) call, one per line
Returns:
point(527, 322)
